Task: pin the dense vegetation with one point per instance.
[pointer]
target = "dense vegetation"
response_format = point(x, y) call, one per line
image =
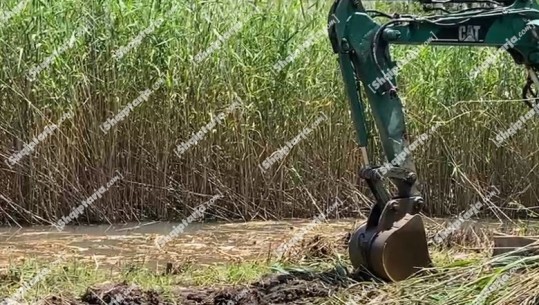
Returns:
point(456, 164)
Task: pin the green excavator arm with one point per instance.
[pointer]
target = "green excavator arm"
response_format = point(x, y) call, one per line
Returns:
point(392, 244)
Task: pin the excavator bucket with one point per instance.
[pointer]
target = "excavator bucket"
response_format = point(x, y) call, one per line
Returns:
point(509, 243)
point(392, 253)
point(402, 250)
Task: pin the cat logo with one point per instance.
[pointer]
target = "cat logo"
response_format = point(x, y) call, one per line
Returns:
point(469, 33)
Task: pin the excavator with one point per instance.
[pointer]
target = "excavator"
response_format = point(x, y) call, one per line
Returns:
point(392, 245)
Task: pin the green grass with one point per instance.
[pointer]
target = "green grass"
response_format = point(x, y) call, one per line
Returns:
point(73, 278)
point(454, 280)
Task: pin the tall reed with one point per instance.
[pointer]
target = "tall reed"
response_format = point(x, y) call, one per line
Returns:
point(456, 164)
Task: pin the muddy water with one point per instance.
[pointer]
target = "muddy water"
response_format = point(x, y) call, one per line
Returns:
point(134, 243)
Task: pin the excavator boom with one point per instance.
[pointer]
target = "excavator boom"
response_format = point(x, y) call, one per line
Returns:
point(392, 244)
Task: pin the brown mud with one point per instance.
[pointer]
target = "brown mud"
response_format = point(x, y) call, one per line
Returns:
point(298, 287)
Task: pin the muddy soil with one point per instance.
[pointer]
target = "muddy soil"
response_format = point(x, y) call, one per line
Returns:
point(297, 287)
point(111, 294)
point(292, 288)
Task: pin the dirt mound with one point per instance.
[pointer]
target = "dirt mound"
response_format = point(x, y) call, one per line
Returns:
point(111, 294)
point(121, 294)
point(296, 287)
point(293, 287)
point(316, 247)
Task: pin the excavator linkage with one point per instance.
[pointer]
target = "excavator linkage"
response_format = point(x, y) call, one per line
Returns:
point(392, 244)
